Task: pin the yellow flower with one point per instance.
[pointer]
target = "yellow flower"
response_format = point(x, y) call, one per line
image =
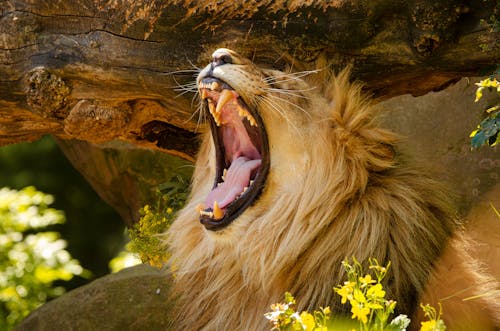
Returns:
point(307, 321)
point(428, 326)
point(345, 291)
point(358, 296)
point(376, 291)
point(359, 311)
point(366, 280)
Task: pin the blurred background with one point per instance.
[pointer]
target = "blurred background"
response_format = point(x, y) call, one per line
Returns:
point(93, 230)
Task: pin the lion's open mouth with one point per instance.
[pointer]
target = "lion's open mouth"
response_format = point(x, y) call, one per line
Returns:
point(242, 154)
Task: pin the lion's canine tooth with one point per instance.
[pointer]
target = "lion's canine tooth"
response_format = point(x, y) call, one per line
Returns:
point(224, 174)
point(204, 94)
point(218, 213)
point(215, 86)
point(216, 116)
point(224, 97)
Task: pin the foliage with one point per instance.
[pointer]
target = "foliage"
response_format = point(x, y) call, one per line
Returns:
point(124, 259)
point(487, 131)
point(30, 261)
point(369, 307)
point(155, 220)
point(94, 230)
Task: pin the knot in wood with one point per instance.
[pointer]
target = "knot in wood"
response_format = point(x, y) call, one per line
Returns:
point(433, 22)
point(46, 93)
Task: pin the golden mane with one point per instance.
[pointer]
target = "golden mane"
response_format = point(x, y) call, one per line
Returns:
point(336, 188)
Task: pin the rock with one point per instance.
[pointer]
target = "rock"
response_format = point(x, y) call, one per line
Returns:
point(132, 299)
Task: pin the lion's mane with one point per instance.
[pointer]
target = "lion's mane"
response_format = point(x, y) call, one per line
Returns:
point(336, 189)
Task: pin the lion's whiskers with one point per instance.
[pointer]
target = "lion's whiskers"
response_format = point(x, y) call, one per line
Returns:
point(272, 104)
point(202, 116)
point(194, 72)
point(275, 97)
point(295, 76)
point(291, 92)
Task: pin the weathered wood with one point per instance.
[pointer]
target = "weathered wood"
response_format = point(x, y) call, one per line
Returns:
point(100, 70)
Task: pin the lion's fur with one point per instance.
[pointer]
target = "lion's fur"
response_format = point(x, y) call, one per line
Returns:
point(336, 189)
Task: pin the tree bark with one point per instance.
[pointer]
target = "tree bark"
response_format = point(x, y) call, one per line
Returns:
point(100, 70)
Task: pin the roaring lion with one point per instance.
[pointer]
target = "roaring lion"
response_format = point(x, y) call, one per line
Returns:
point(293, 177)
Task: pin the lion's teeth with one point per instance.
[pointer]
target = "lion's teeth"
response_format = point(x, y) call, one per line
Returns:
point(224, 173)
point(201, 210)
point(206, 213)
point(251, 120)
point(211, 107)
point(244, 113)
point(215, 86)
point(224, 97)
point(245, 189)
point(204, 94)
point(218, 213)
point(215, 115)
point(251, 182)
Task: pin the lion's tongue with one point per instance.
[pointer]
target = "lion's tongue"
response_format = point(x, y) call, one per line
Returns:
point(236, 179)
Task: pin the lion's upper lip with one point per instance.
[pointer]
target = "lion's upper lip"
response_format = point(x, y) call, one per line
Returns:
point(241, 154)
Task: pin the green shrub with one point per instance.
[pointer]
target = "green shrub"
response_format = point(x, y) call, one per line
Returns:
point(30, 260)
point(155, 220)
point(487, 132)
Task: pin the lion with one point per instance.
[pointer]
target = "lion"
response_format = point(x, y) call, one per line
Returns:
point(293, 177)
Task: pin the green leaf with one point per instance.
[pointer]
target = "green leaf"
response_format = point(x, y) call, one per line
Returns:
point(487, 131)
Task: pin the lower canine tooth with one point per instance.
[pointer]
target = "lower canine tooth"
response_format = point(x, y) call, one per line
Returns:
point(218, 213)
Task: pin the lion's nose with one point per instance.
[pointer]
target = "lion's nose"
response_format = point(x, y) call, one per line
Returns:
point(220, 57)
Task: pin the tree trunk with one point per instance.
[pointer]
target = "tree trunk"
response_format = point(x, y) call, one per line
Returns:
point(100, 71)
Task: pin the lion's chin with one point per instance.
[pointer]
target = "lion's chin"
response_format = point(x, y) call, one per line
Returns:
point(242, 154)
